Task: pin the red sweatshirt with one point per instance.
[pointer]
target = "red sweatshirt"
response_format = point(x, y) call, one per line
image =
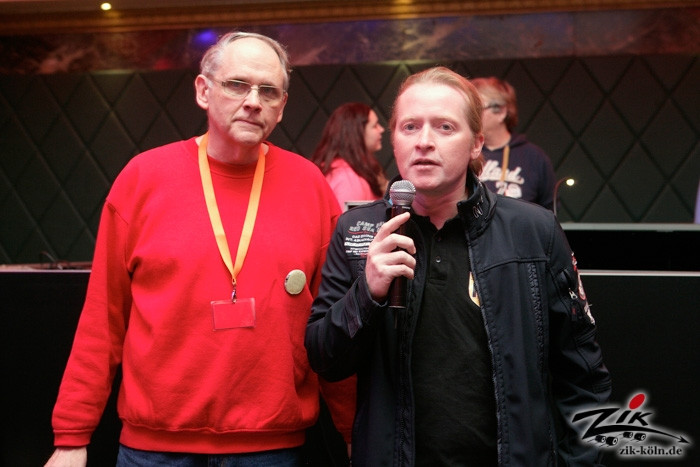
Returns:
point(156, 269)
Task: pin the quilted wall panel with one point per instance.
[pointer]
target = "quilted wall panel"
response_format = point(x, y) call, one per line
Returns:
point(625, 127)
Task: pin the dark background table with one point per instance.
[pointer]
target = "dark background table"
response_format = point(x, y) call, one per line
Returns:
point(643, 286)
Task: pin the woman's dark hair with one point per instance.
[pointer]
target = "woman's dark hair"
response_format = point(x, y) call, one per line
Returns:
point(344, 137)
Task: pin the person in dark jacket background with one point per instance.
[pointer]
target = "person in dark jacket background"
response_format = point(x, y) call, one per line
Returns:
point(513, 165)
point(495, 350)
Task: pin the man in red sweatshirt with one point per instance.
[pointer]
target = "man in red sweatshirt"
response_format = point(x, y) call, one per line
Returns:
point(208, 256)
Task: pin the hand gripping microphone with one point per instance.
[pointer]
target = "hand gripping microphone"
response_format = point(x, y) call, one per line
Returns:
point(401, 194)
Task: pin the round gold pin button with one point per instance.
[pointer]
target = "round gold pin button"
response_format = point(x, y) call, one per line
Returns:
point(295, 281)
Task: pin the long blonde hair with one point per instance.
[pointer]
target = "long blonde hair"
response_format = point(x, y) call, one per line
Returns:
point(472, 99)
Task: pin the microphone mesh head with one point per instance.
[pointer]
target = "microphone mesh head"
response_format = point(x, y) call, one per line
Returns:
point(402, 193)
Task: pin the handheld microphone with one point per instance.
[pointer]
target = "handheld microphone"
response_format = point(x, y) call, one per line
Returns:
point(401, 195)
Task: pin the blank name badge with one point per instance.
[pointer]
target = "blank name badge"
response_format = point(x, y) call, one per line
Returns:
point(230, 314)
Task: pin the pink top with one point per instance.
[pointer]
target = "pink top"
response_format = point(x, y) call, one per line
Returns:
point(347, 184)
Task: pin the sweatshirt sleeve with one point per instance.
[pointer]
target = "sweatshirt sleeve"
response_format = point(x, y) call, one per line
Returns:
point(547, 182)
point(341, 400)
point(98, 341)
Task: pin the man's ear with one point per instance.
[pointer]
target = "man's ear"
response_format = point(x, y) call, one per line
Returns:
point(284, 103)
point(201, 91)
point(478, 145)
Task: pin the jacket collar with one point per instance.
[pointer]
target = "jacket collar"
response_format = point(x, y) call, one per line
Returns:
point(475, 211)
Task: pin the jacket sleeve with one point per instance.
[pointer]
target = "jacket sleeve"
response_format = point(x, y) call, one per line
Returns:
point(580, 380)
point(340, 325)
point(339, 396)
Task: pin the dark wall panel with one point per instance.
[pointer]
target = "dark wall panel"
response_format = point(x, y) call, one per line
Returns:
point(626, 128)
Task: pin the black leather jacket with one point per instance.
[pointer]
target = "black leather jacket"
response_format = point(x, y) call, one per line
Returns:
point(546, 362)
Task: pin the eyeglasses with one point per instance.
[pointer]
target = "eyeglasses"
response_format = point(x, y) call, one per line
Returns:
point(240, 89)
point(494, 106)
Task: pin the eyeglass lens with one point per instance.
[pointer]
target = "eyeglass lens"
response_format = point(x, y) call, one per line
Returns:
point(241, 89)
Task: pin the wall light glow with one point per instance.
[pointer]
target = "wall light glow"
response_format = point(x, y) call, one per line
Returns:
point(106, 6)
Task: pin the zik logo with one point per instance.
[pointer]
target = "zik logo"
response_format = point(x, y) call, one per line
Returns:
point(608, 423)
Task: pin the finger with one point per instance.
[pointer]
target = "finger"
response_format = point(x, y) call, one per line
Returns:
point(402, 242)
point(391, 243)
point(383, 269)
point(392, 225)
point(399, 257)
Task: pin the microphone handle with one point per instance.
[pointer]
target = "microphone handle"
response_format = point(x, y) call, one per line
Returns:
point(397, 289)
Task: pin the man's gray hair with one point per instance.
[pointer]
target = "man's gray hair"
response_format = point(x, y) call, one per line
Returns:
point(212, 57)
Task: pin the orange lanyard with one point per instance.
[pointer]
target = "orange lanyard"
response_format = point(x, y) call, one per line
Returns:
point(506, 156)
point(215, 217)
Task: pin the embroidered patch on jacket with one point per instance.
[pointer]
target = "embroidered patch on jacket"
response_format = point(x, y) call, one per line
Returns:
point(581, 291)
point(358, 238)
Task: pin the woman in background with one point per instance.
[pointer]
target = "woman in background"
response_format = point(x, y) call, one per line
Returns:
point(346, 154)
